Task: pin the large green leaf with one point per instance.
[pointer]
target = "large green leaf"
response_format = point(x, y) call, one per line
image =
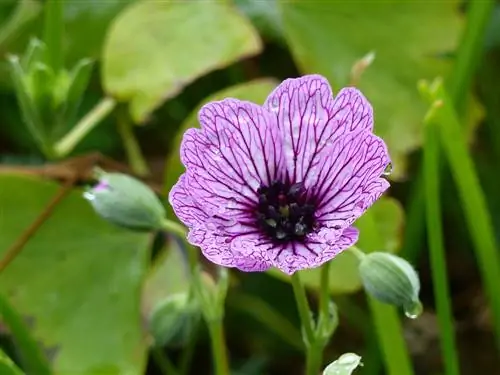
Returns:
point(78, 278)
point(254, 91)
point(409, 38)
point(155, 48)
point(386, 217)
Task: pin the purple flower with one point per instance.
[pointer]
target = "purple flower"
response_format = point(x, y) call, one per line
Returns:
point(280, 185)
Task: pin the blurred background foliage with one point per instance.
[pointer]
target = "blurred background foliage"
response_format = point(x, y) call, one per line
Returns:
point(82, 292)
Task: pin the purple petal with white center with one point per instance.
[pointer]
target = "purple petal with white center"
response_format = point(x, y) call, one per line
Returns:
point(320, 248)
point(349, 181)
point(311, 119)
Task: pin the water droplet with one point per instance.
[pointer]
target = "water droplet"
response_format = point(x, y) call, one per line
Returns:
point(413, 309)
point(275, 104)
point(217, 154)
point(232, 203)
point(88, 195)
point(388, 170)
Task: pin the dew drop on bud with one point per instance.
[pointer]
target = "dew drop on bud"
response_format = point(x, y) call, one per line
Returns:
point(413, 309)
point(89, 196)
point(388, 170)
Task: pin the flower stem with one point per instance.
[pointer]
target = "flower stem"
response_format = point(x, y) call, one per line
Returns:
point(132, 148)
point(216, 331)
point(304, 309)
point(325, 290)
point(178, 230)
point(314, 358)
point(84, 126)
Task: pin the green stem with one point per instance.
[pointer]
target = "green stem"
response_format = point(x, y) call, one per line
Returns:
point(324, 300)
point(391, 339)
point(132, 148)
point(303, 308)
point(181, 232)
point(84, 126)
point(219, 354)
point(360, 255)
point(314, 358)
point(436, 247)
point(468, 55)
point(32, 357)
point(53, 32)
point(187, 354)
point(163, 362)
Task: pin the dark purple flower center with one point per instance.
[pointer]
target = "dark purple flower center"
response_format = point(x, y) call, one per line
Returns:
point(284, 213)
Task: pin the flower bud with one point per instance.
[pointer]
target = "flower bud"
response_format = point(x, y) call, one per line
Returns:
point(173, 319)
point(345, 365)
point(391, 279)
point(126, 201)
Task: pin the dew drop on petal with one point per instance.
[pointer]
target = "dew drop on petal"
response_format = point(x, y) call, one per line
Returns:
point(413, 309)
point(275, 105)
point(88, 195)
point(388, 170)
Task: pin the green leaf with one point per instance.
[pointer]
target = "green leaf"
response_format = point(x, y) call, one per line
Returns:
point(86, 25)
point(155, 48)
point(30, 353)
point(168, 275)
point(255, 91)
point(386, 215)
point(409, 44)
point(78, 278)
point(7, 367)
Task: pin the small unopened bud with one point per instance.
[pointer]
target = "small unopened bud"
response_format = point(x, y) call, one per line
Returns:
point(126, 201)
point(391, 279)
point(173, 319)
point(345, 365)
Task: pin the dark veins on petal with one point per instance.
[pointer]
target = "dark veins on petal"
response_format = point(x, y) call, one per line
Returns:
point(284, 213)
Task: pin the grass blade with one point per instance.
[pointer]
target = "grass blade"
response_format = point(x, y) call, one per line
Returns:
point(471, 197)
point(436, 245)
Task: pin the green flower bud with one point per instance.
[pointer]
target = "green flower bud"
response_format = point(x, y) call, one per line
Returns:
point(391, 279)
point(345, 365)
point(126, 201)
point(173, 319)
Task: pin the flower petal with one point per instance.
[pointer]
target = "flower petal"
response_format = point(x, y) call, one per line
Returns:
point(237, 149)
point(349, 181)
point(311, 119)
point(319, 249)
point(185, 208)
point(218, 250)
